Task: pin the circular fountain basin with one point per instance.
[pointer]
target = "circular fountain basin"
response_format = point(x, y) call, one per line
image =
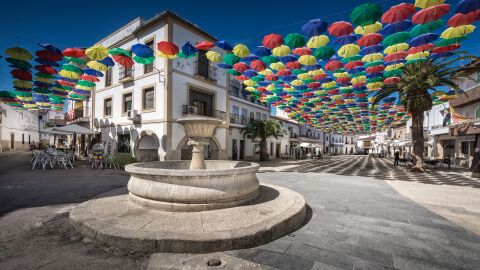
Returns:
point(171, 186)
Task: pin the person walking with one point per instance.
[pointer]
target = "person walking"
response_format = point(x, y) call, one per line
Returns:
point(397, 158)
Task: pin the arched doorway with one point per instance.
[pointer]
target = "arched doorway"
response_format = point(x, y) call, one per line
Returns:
point(146, 148)
point(210, 151)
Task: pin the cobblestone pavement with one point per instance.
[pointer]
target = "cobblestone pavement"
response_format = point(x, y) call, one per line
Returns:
point(362, 215)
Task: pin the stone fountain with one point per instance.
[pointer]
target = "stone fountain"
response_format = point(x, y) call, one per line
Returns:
point(192, 206)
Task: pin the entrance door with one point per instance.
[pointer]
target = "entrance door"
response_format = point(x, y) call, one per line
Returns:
point(234, 150)
point(277, 154)
point(242, 149)
point(12, 141)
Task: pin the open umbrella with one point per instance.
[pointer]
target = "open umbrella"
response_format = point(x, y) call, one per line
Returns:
point(123, 60)
point(426, 28)
point(421, 48)
point(188, 50)
point(347, 39)
point(73, 52)
point(272, 40)
point(423, 39)
point(48, 55)
point(262, 51)
point(142, 51)
point(144, 60)
point(258, 65)
point(459, 31)
point(368, 29)
point(167, 47)
point(467, 6)
point(295, 40)
point(427, 3)
point(98, 66)
point(223, 44)
point(348, 50)
point(282, 50)
point(307, 60)
point(318, 41)
point(204, 45)
point(314, 27)
point(430, 14)
point(302, 51)
point(450, 41)
point(396, 38)
point(19, 54)
point(21, 74)
point(461, 19)
point(398, 13)
point(96, 52)
point(241, 50)
point(396, 48)
point(396, 27)
point(370, 40)
point(230, 59)
point(446, 49)
point(46, 69)
point(213, 56)
point(324, 53)
point(366, 14)
point(340, 28)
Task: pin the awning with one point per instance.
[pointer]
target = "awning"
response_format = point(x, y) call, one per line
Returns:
point(51, 130)
point(305, 144)
point(74, 129)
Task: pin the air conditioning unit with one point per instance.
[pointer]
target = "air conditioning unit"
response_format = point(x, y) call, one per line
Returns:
point(133, 115)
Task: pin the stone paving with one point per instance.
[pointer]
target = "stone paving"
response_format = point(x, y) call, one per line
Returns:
point(362, 215)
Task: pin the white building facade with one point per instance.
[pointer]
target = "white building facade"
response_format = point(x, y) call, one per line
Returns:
point(18, 128)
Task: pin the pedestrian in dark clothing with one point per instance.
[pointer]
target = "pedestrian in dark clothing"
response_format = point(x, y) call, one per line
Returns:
point(397, 158)
point(448, 161)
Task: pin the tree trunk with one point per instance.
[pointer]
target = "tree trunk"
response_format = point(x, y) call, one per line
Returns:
point(475, 168)
point(263, 150)
point(418, 141)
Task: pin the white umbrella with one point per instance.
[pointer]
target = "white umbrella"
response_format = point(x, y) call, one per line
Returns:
point(74, 129)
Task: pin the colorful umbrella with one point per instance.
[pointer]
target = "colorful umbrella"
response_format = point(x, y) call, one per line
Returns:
point(370, 40)
point(366, 14)
point(21, 74)
point(142, 51)
point(324, 53)
point(467, 6)
point(314, 27)
point(348, 50)
point(204, 45)
point(317, 41)
point(223, 44)
point(396, 38)
point(48, 55)
point(302, 51)
point(461, 19)
point(459, 31)
point(167, 47)
point(423, 39)
point(426, 28)
point(213, 56)
point(368, 29)
point(258, 65)
point(46, 69)
point(97, 52)
point(272, 40)
point(73, 52)
point(396, 27)
point(123, 60)
point(398, 13)
point(430, 14)
point(427, 3)
point(340, 28)
point(98, 66)
point(241, 50)
point(19, 54)
point(144, 60)
point(282, 50)
point(294, 40)
point(307, 60)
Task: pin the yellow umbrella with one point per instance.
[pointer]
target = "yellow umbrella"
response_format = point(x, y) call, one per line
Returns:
point(368, 29)
point(271, 87)
point(418, 55)
point(372, 57)
point(214, 56)
point(307, 60)
point(427, 3)
point(277, 66)
point(266, 72)
point(69, 74)
point(374, 85)
point(97, 66)
point(359, 79)
point(459, 31)
point(317, 41)
point(19, 53)
point(250, 89)
point(396, 48)
point(166, 56)
point(329, 84)
point(316, 72)
point(250, 83)
point(281, 50)
point(241, 50)
point(86, 88)
point(22, 84)
point(297, 83)
point(394, 66)
point(44, 80)
point(304, 76)
point(96, 52)
point(341, 75)
point(348, 50)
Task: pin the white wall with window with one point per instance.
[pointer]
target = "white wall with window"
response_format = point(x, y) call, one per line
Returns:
point(18, 128)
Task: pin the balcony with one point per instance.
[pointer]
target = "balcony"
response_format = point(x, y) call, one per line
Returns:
point(238, 119)
point(195, 111)
point(78, 115)
point(126, 74)
point(206, 71)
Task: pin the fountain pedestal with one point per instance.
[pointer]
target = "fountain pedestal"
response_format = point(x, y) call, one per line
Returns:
point(198, 162)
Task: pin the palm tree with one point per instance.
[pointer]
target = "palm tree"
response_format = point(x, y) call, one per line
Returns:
point(413, 90)
point(262, 130)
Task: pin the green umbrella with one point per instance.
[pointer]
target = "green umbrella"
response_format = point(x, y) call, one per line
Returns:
point(375, 79)
point(41, 90)
point(413, 61)
point(270, 59)
point(231, 59)
point(44, 75)
point(351, 59)
point(257, 78)
point(78, 61)
point(373, 64)
point(295, 40)
point(183, 55)
point(22, 94)
point(392, 73)
point(144, 60)
point(421, 29)
point(366, 14)
point(71, 68)
point(396, 38)
point(19, 63)
point(324, 53)
point(86, 83)
point(233, 72)
point(298, 71)
point(450, 41)
point(120, 51)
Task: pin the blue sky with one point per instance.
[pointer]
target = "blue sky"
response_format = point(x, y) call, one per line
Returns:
point(82, 23)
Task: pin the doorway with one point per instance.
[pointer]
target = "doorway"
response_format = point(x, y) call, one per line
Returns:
point(242, 149)
point(234, 149)
point(202, 102)
point(277, 152)
point(12, 141)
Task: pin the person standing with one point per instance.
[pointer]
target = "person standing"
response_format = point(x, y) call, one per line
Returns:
point(397, 158)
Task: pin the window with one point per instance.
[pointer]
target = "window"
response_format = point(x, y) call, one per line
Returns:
point(29, 141)
point(203, 64)
point(235, 110)
point(148, 99)
point(149, 67)
point(108, 77)
point(234, 117)
point(235, 88)
point(123, 143)
point(127, 102)
point(107, 107)
point(467, 148)
point(244, 116)
point(257, 116)
point(23, 138)
point(264, 117)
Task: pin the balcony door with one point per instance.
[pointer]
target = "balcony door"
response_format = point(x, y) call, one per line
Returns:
point(202, 102)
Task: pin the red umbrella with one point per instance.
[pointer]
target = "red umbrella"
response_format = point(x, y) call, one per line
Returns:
point(46, 69)
point(354, 64)
point(333, 65)
point(293, 65)
point(340, 28)
point(241, 78)
point(123, 60)
point(398, 13)
point(272, 41)
point(21, 74)
point(445, 49)
point(395, 56)
point(319, 77)
point(343, 79)
point(375, 69)
point(314, 85)
point(73, 52)
point(302, 51)
point(89, 78)
point(284, 72)
point(370, 40)
point(204, 45)
point(421, 48)
point(48, 55)
point(258, 65)
point(391, 80)
point(430, 14)
point(168, 48)
point(272, 77)
point(460, 19)
point(65, 83)
point(240, 67)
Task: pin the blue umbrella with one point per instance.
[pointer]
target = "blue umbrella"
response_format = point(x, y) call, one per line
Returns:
point(142, 50)
point(80, 91)
point(224, 66)
point(357, 70)
point(68, 79)
point(371, 49)
point(250, 73)
point(394, 62)
point(288, 58)
point(50, 48)
point(59, 93)
point(262, 51)
point(347, 39)
point(289, 78)
point(107, 61)
point(42, 84)
point(264, 83)
point(223, 44)
point(314, 27)
point(93, 72)
point(396, 27)
point(188, 49)
point(467, 6)
point(423, 39)
point(251, 57)
point(46, 62)
point(441, 55)
point(313, 67)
